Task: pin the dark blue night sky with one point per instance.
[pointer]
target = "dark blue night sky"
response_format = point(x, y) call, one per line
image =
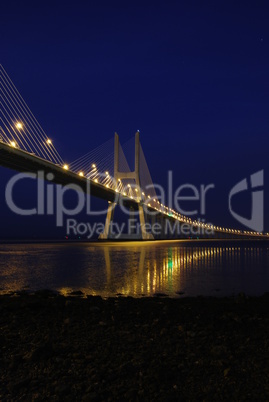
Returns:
point(192, 76)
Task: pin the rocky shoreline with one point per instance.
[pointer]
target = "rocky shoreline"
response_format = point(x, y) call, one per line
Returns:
point(60, 348)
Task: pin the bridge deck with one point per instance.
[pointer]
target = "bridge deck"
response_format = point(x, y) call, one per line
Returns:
point(16, 159)
point(19, 160)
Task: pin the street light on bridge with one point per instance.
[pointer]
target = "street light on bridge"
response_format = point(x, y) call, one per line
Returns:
point(19, 125)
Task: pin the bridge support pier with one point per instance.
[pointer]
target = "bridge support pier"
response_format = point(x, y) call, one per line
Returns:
point(135, 175)
point(109, 219)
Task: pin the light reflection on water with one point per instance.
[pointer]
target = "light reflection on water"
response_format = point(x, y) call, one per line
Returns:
point(136, 269)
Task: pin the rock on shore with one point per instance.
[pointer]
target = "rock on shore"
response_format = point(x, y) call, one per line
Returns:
point(123, 349)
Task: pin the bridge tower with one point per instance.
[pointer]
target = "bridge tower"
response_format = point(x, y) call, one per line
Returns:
point(135, 175)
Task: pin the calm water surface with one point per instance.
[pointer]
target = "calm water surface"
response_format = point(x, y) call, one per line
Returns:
point(135, 269)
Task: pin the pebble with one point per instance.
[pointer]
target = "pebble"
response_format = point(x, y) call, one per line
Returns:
point(70, 349)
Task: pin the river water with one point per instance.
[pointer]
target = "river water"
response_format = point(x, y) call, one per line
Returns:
point(136, 269)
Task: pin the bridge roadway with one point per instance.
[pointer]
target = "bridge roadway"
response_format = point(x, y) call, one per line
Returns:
point(22, 161)
point(19, 160)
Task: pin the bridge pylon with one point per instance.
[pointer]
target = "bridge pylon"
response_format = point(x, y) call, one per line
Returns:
point(135, 175)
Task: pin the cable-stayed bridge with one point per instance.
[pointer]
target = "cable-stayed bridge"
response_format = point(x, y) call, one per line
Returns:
point(103, 172)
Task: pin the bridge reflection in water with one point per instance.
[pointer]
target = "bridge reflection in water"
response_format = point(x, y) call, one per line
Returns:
point(137, 268)
point(186, 270)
